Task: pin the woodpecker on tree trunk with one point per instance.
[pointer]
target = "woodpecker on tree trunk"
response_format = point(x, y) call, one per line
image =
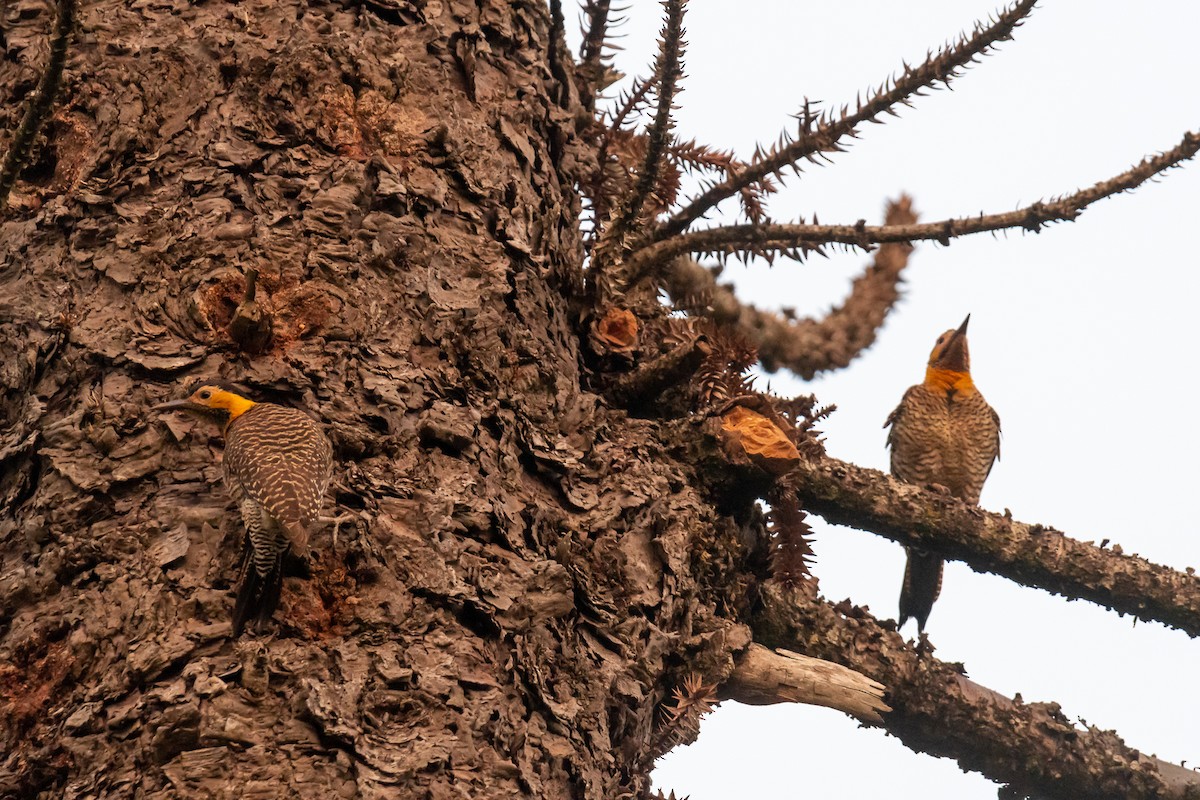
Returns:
point(943, 434)
point(278, 464)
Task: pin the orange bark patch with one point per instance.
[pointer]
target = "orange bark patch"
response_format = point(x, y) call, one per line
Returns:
point(28, 686)
point(322, 606)
point(296, 309)
point(760, 439)
point(339, 123)
point(369, 123)
point(618, 330)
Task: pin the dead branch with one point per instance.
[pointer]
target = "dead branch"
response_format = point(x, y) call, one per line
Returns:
point(734, 239)
point(38, 105)
point(822, 134)
point(251, 327)
point(763, 677)
point(1032, 555)
point(809, 346)
point(1032, 747)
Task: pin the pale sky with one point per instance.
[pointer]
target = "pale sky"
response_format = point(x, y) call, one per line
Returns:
point(1082, 338)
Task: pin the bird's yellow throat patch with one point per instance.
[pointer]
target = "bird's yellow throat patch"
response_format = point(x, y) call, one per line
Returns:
point(947, 380)
point(235, 404)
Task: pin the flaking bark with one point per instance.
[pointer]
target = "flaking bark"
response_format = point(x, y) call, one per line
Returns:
point(522, 588)
point(533, 571)
point(39, 102)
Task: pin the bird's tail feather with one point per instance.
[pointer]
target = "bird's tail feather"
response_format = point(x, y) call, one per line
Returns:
point(922, 584)
point(258, 592)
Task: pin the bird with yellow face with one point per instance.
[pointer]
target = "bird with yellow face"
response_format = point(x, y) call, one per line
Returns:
point(278, 463)
point(943, 434)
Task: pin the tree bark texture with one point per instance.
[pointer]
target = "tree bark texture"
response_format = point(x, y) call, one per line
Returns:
point(529, 574)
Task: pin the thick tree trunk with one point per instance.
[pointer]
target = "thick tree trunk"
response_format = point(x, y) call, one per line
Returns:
point(526, 581)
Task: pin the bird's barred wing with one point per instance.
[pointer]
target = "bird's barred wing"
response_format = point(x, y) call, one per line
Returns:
point(983, 445)
point(282, 460)
point(915, 458)
point(992, 445)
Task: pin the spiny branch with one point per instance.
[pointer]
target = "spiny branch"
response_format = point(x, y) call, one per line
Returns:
point(1032, 555)
point(821, 134)
point(809, 346)
point(631, 102)
point(668, 71)
point(1032, 747)
point(610, 172)
point(791, 537)
point(38, 105)
point(694, 156)
point(681, 721)
point(734, 239)
point(592, 50)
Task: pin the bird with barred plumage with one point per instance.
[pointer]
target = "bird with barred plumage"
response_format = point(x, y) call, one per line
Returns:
point(943, 434)
point(278, 463)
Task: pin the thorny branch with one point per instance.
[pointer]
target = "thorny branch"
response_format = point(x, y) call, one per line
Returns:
point(38, 104)
point(821, 134)
point(633, 100)
point(592, 50)
point(1032, 555)
point(1032, 747)
point(668, 72)
point(808, 346)
point(726, 240)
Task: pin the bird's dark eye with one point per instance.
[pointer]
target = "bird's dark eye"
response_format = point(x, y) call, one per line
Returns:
point(205, 394)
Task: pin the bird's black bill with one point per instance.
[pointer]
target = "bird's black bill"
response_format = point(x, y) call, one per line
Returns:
point(178, 405)
point(958, 334)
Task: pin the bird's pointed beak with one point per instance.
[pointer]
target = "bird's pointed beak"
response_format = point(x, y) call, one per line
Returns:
point(177, 405)
point(954, 354)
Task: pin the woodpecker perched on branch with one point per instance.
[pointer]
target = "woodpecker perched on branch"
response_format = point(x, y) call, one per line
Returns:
point(943, 434)
point(278, 463)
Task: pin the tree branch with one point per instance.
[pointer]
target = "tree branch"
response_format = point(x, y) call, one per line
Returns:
point(822, 135)
point(668, 71)
point(38, 104)
point(591, 52)
point(731, 239)
point(809, 346)
point(764, 677)
point(1032, 747)
point(1032, 555)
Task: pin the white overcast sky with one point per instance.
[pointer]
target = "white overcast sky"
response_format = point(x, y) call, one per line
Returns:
point(1082, 338)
